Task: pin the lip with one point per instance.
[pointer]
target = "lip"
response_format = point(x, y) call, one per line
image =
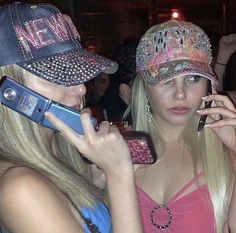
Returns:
point(180, 110)
point(76, 107)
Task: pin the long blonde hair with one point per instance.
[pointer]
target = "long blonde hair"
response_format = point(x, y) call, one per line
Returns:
point(22, 142)
point(206, 150)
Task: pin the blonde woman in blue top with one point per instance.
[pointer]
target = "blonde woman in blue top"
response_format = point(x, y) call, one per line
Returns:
point(44, 184)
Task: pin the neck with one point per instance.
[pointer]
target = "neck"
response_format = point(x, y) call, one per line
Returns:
point(170, 133)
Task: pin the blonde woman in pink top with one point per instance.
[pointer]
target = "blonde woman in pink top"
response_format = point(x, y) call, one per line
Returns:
point(189, 189)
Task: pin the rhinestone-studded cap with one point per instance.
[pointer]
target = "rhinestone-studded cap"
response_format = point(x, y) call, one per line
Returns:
point(70, 68)
point(42, 40)
point(171, 49)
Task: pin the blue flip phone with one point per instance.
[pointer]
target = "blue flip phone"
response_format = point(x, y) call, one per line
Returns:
point(33, 105)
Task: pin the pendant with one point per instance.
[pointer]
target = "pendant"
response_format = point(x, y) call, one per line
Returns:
point(154, 212)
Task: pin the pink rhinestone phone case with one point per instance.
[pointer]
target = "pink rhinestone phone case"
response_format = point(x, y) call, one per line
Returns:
point(141, 147)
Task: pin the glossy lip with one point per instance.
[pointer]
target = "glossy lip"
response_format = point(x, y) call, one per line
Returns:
point(77, 107)
point(180, 110)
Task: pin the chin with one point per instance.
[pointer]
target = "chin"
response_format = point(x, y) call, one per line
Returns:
point(180, 121)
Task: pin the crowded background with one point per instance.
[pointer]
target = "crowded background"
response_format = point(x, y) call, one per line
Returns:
point(113, 29)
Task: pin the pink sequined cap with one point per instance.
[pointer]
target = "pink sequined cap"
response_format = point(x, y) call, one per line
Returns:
point(172, 49)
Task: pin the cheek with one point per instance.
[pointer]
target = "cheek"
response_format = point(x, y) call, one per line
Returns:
point(158, 101)
point(57, 93)
point(46, 88)
point(196, 96)
point(53, 93)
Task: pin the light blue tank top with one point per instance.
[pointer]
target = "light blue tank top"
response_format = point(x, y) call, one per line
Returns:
point(99, 216)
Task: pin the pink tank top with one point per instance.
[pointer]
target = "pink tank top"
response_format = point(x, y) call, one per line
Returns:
point(192, 213)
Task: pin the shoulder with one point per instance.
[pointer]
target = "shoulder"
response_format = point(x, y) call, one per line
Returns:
point(21, 182)
point(28, 199)
point(22, 185)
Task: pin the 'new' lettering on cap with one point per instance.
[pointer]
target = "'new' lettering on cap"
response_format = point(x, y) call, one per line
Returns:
point(42, 40)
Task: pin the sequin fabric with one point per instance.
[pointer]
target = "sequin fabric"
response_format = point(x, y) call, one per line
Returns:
point(171, 49)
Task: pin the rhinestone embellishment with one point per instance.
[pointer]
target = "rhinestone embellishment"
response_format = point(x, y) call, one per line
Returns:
point(154, 211)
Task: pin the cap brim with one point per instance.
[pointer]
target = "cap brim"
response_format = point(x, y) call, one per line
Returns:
point(171, 70)
point(70, 68)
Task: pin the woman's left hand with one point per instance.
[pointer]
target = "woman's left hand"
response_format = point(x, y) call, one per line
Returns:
point(225, 127)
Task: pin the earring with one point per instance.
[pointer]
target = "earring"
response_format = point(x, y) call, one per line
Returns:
point(148, 110)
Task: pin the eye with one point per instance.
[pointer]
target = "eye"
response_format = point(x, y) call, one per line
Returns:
point(193, 78)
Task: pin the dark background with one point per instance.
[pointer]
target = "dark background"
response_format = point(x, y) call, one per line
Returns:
point(104, 24)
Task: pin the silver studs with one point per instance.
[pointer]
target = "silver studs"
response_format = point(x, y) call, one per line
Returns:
point(153, 212)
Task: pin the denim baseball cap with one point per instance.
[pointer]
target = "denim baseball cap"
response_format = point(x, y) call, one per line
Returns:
point(45, 42)
point(172, 49)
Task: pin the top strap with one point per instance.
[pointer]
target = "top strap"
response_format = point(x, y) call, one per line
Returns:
point(185, 187)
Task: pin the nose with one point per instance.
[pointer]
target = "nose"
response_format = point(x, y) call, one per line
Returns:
point(180, 90)
point(77, 91)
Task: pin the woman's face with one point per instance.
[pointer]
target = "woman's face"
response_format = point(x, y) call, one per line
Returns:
point(176, 101)
point(69, 96)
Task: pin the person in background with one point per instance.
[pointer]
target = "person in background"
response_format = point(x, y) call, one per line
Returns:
point(117, 97)
point(189, 188)
point(45, 186)
point(225, 66)
point(97, 88)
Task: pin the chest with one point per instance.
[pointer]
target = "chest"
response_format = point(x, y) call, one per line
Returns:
point(193, 213)
point(164, 179)
point(171, 200)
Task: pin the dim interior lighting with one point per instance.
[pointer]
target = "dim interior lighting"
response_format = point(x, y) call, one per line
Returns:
point(175, 15)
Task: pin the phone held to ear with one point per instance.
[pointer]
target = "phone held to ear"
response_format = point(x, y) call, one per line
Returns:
point(203, 118)
point(33, 105)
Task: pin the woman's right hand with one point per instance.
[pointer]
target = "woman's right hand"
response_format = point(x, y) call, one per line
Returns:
point(105, 147)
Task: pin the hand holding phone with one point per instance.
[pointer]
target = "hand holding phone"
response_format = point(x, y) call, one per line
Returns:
point(203, 118)
point(141, 147)
point(32, 105)
point(140, 144)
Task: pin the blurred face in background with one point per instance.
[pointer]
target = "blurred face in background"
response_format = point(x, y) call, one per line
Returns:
point(100, 84)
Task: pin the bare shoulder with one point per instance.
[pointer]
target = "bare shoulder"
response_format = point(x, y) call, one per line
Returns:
point(20, 183)
point(29, 202)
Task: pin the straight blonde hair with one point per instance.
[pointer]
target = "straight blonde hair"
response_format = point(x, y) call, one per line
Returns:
point(23, 143)
point(205, 148)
